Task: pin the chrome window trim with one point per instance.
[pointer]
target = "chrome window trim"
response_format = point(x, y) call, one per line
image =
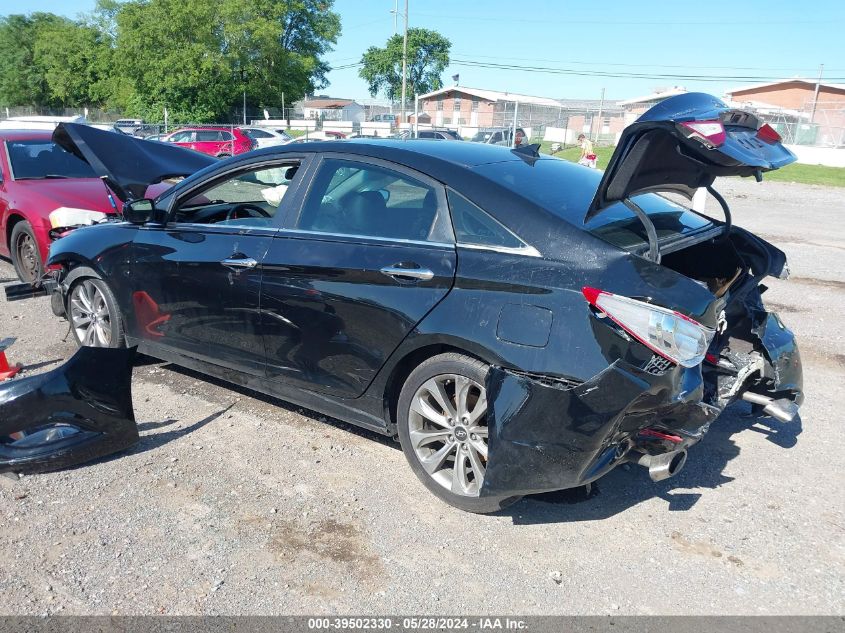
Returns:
point(387, 240)
point(526, 250)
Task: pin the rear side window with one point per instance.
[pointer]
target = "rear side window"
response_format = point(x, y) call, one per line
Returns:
point(474, 227)
point(208, 135)
point(566, 190)
point(352, 198)
point(257, 134)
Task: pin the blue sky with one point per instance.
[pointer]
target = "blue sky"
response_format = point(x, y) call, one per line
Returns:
point(725, 38)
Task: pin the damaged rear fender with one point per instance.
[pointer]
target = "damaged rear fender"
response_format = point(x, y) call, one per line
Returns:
point(547, 434)
point(70, 415)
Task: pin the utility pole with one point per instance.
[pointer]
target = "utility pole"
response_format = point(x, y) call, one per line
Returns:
point(816, 94)
point(598, 127)
point(404, 62)
point(395, 16)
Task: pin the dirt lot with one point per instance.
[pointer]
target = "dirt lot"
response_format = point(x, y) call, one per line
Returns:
point(237, 504)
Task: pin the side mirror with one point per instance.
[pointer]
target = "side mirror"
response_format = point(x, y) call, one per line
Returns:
point(138, 211)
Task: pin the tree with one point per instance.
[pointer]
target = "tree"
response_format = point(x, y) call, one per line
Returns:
point(428, 56)
point(22, 80)
point(279, 45)
point(75, 61)
point(196, 56)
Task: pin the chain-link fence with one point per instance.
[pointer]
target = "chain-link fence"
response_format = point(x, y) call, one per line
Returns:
point(818, 124)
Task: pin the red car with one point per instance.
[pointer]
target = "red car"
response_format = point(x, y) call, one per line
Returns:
point(40, 180)
point(221, 142)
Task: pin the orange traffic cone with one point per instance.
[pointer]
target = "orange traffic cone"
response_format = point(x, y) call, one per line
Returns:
point(7, 371)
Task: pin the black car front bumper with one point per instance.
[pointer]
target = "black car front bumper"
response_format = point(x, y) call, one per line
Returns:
point(70, 415)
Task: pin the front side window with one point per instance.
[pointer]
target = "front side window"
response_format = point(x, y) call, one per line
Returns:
point(474, 227)
point(248, 199)
point(186, 136)
point(257, 134)
point(352, 198)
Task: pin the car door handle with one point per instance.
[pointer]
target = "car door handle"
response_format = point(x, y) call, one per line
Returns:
point(240, 262)
point(403, 274)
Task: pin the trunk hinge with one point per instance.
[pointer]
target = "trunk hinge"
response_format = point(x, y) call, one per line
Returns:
point(651, 232)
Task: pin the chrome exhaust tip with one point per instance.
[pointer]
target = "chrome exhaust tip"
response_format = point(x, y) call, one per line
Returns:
point(784, 409)
point(663, 466)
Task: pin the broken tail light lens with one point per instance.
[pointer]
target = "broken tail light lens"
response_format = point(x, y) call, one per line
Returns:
point(668, 333)
point(768, 134)
point(710, 133)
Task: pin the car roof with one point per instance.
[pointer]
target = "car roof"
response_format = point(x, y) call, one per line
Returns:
point(420, 154)
point(191, 128)
point(26, 135)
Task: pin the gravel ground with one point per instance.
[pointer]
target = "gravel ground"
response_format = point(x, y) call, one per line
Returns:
point(234, 503)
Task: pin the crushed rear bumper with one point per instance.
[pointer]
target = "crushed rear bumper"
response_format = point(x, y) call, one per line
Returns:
point(546, 434)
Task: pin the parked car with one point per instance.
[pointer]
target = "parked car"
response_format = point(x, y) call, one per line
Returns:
point(221, 142)
point(500, 136)
point(321, 135)
point(449, 135)
point(266, 136)
point(524, 324)
point(38, 179)
point(128, 126)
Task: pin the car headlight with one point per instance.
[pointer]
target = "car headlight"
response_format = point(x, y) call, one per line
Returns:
point(70, 216)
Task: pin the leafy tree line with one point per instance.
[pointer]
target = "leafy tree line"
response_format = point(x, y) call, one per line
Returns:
point(194, 57)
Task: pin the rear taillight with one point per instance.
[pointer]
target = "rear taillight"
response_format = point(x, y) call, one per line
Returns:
point(768, 134)
point(666, 332)
point(711, 133)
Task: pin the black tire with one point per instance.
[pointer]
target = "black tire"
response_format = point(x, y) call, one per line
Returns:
point(439, 366)
point(25, 253)
point(112, 323)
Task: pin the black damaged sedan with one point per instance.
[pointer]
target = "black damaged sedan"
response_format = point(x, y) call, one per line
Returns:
point(521, 323)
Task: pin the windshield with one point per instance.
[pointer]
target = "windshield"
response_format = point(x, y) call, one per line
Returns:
point(44, 159)
point(566, 190)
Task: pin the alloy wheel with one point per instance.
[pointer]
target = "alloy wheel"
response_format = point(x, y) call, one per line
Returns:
point(26, 253)
point(448, 430)
point(89, 314)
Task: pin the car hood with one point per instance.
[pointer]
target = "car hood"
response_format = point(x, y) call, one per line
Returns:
point(129, 165)
point(75, 193)
point(660, 152)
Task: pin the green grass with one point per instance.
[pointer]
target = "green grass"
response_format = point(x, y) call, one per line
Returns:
point(573, 152)
point(804, 174)
point(809, 175)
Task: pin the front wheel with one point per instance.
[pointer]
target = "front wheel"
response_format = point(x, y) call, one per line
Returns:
point(93, 314)
point(26, 256)
point(442, 424)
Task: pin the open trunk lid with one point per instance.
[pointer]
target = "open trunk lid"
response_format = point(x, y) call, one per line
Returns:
point(128, 165)
point(684, 143)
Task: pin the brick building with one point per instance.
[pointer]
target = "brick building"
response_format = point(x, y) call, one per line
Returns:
point(791, 94)
point(459, 107)
point(792, 107)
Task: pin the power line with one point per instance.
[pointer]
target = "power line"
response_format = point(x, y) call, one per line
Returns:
point(610, 22)
point(628, 75)
point(628, 65)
